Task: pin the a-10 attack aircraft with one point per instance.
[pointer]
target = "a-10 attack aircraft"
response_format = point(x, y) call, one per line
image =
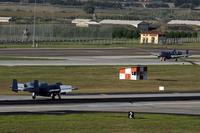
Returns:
point(174, 54)
point(42, 89)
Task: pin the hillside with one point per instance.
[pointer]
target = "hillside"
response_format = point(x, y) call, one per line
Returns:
point(119, 3)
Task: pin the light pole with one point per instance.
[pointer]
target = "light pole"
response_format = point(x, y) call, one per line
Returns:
point(34, 25)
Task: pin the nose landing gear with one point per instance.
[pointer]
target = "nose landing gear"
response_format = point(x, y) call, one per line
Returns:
point(33, 96)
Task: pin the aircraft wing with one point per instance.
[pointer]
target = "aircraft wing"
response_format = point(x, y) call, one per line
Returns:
point(54, 90)
point(156, 54)
point(66, 89)
point(20, 87)
point(178, 56)
point(24, 87)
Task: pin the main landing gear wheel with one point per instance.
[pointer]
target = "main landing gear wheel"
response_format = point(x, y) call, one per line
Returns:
point(59, 97)
point(33, 95)
point(53, 96)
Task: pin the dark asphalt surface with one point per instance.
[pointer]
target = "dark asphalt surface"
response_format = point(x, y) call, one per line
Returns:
point(24, 100)
point(43, 52)
point(175, 103)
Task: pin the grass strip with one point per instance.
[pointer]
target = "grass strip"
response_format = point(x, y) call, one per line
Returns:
point(105, 79)
point(99, 123)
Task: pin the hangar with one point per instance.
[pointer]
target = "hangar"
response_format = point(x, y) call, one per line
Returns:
point(5, 19)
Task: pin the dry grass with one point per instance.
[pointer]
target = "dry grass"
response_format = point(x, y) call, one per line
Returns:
point(104, 79)
point(99, 123)
point(41, 10)
point(21, 10)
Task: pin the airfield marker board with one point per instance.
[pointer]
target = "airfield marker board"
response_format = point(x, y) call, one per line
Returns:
point(161, 88)
point(133, 73)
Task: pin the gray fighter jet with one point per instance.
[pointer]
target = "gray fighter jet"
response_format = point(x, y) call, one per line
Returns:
point(174, 54)
point(42, 88)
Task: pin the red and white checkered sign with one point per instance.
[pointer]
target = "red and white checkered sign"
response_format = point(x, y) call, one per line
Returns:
point(133, 73)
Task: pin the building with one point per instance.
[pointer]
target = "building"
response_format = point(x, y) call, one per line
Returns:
point(133, 73)
point(84, 22)
point(5, 19)
point(184, 22)
point(152, 37)
point(121, 22)
point(141, 25)
point(81, 22)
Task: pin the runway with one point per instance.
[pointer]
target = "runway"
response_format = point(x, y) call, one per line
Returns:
point(173, 103)
point(53, 52)
point(88, 56)
point(133, 96)
point(95, 60)
point(177, 107)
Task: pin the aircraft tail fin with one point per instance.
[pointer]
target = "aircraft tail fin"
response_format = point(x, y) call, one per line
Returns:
point(14, 85)
point(187, 53)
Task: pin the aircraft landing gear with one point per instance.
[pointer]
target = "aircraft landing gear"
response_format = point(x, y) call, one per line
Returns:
point(59, 97)
point(33, 96)
point(53, 96)
point(162, 59)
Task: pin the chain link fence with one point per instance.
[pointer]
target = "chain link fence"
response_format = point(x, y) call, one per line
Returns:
point(23, 33)
point(182, 40)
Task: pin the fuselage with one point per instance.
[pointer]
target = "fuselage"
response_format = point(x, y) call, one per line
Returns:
point(169, 55)
point(42, 88)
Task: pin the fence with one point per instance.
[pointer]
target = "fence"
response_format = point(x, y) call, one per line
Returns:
point(23, 33)
point(52, 32)
point(182, 40)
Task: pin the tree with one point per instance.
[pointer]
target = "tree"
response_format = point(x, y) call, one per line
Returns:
point(196, 2)
point(89, 8)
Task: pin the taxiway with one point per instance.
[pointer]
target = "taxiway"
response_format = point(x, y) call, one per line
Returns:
point(53, 52)
point(175, 107)
point(95, 60)
point(172, 103)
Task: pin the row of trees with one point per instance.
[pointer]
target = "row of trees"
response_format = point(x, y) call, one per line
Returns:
point(123, 32)
point(10, 0)
point(134, 33)
point(183, 2)
point(180, 34)
point(111, 4)
point(99, 4)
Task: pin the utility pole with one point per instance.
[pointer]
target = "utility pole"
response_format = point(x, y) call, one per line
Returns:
point(34, 25)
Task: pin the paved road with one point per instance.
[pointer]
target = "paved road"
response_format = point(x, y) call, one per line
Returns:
point(98, 57)
point(102, 96)
point(125, 103)
point(94, 60)
point(93, 56)
point(41, 52)
point(173, 107)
